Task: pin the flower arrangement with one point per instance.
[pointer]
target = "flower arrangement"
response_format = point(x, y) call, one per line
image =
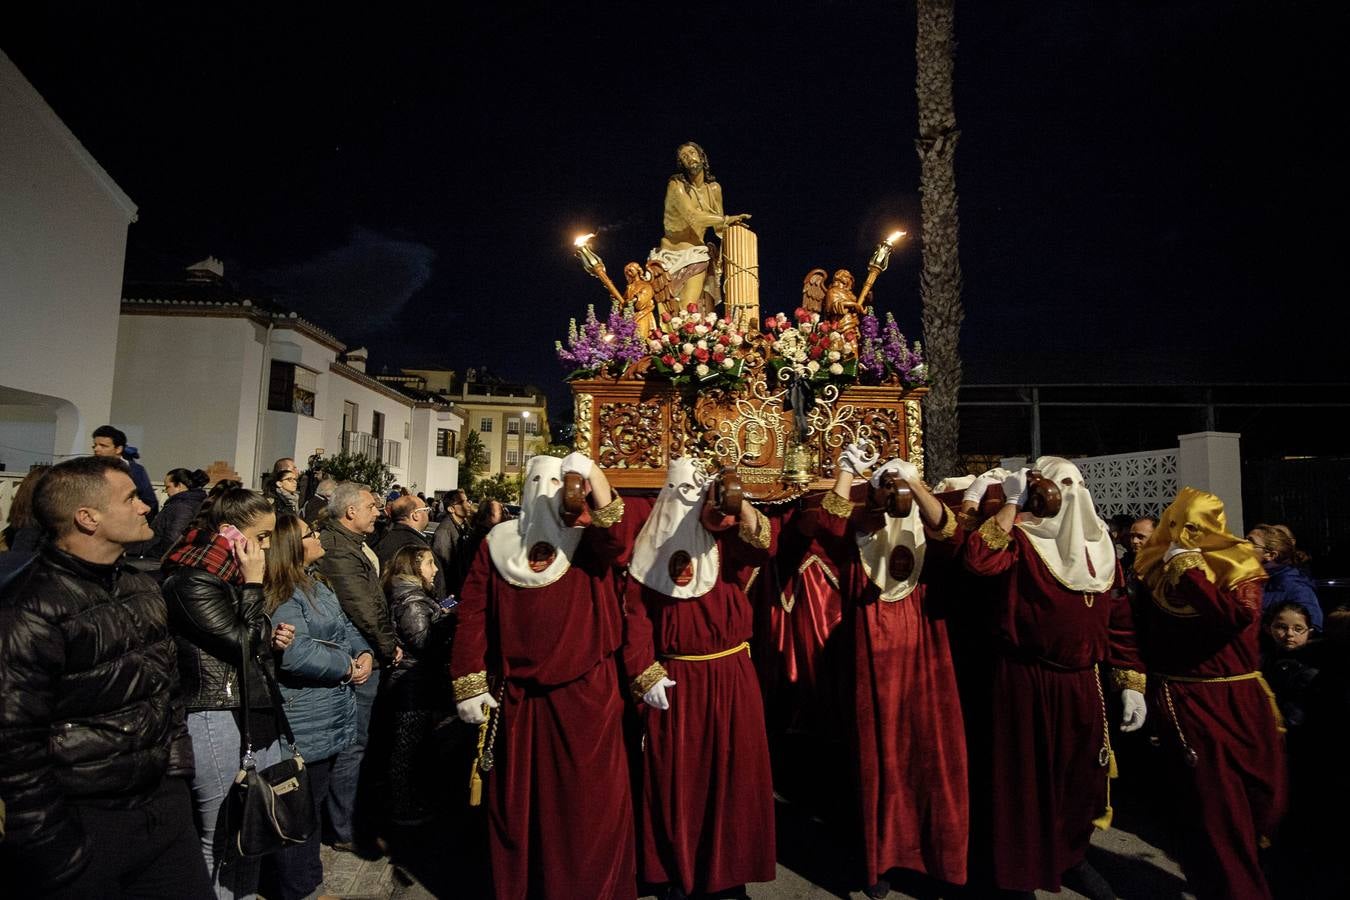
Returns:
point(812, 349)
point(597, 348)
point(884, 354)
point(697, 350)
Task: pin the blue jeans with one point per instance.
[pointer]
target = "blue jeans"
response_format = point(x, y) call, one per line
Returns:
point(341, 803)
point(217, 747)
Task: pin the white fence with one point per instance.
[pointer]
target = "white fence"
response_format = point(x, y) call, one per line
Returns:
point(1132, 484)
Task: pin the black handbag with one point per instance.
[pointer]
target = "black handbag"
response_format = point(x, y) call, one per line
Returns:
point(272, 808)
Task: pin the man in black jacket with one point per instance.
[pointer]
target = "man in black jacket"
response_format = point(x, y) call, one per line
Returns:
point(94, 752)
point(410, 516)
point(353, 570)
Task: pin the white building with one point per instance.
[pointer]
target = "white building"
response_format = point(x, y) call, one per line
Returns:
point(63, 236)
point(205, 375)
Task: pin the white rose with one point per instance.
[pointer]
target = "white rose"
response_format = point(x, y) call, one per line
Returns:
point(728, 363)
point(836, 369)
point(700, 329)
point(815, 317)
point(702, 370)
point(710, 318)
point(834, 356)
point(781, 318)
point(737, 340)
point(654, 346)
point(804, 328)
point(665, 338)
point(702, 345)
point(688, 349)
point(813, 367)
point(677, 368)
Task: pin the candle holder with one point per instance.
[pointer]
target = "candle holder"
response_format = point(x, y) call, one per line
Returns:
point(880, 259)
point(595, 267)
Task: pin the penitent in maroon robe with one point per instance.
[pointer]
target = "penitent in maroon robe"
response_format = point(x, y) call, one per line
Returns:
point(559, 803)
point(706, 820)
point(1051, 744)
point(905, 726)
point(1233, 795)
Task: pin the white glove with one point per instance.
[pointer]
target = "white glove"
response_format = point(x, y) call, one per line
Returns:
point(1133, 710)
point(855, 460)
point(471, 710)
point(656, 694)
point(975, 493)
point(1176, 550)
point(903, 468)
point(577, 462)
point(1014, 486)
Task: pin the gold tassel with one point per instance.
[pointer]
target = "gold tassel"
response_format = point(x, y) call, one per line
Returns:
point(476, 780)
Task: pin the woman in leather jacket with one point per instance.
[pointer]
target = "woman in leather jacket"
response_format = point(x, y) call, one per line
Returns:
point(214, 594)
point(419, 686)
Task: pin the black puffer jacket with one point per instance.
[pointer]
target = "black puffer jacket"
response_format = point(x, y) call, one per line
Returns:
point(90, 708)
point(172, 521)
point(212, 622)
point(421, 679)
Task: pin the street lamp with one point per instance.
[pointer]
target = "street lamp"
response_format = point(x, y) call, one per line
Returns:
point(524, 419)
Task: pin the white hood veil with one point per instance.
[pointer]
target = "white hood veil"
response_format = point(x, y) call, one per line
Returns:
point(673, 546)
point(892, 557)
point(536, 549)
point(1076, 544)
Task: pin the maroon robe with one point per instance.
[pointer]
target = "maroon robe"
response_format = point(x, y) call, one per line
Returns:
point(559, 804)
point(1234, 794)
point(1049, 772)
point(905, 723)
point(706, 819)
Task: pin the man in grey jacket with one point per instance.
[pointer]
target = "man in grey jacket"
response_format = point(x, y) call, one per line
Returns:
point(353, 570)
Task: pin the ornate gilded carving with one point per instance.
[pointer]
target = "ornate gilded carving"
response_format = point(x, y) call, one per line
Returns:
point(914, 433)
point(582, 440)
point(629, 436)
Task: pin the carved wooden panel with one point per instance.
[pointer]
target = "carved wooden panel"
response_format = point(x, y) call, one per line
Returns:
point(628, 436)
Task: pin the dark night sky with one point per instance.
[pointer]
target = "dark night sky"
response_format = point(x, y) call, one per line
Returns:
point(1146, 188)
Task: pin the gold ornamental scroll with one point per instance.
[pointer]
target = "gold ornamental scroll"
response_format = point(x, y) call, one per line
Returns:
point(740, 277)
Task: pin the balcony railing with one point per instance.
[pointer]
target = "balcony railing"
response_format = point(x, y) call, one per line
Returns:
point(371, 447)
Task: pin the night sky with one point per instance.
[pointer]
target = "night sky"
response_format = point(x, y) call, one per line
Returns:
point(1146, 189)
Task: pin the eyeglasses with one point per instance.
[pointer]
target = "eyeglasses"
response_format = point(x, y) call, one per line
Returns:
point(1280, 628)
point(422, 509)
point(309, 534)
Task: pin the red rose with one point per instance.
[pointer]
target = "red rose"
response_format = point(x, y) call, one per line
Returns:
point(814, 353)
point(724, 340)
point(668, 359)
point(692, 307)
point(719, 356)
point(665, 317)
point(802, 315)
point(702, 355)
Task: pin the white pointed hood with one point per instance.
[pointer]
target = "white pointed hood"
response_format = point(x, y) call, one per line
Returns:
point(673, 546)
point(1076, 544)
point(892, 557)
point(536, 549)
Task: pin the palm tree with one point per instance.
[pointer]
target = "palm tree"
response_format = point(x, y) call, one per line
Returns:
point(940, 282)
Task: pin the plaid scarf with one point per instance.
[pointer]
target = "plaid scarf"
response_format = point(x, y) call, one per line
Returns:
point(200, 549)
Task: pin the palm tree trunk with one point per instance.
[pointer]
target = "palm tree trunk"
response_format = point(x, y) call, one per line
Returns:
point(940, 282)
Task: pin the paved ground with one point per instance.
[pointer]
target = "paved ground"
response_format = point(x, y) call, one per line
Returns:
point(1134, 867)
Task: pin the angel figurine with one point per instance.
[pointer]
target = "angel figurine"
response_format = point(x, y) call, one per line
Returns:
point(647, 288)
point(842, 306)
point(813, 290)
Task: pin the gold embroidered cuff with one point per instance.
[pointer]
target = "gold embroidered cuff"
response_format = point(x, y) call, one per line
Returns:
point(1179, 564)
point(608, 515)
point(968, 519)
point(467, 686)
point(835, 505)
point(650, 676)
point(947, 529)
point(755, 530)
point(1128, 679)
point(994, 537)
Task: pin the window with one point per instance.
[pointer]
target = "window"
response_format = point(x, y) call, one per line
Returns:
point(512, 457)
point(377, 425)
point(484, 425)
point(445, 442)
point(348, 416)
point(513, 426)
point(531, 426)
point(291, 388)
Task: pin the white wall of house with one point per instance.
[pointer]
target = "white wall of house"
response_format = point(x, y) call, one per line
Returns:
point(430, 472)
point(186, 388)
point(368, 400)
point(63, 234)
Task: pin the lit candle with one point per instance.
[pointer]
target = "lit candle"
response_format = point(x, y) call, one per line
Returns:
point(595, 266)
point(881, 258)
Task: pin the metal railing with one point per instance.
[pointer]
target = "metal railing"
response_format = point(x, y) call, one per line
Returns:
point(367, 445)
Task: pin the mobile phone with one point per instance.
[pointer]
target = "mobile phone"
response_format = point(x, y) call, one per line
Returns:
point(234, 536)
point(450, 602)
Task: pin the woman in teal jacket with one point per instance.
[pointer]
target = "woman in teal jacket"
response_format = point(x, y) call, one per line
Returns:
point(318, 671)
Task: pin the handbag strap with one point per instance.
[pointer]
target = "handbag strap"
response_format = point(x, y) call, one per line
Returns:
point(248, 761)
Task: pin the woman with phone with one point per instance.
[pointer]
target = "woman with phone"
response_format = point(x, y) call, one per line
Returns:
point(214, 592)
point(327, 658)
point(419, 687)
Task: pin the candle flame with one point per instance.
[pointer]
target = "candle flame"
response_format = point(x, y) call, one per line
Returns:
point(894, 236)
point(582, 240)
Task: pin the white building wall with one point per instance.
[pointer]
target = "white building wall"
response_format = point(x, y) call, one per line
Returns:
point(187, 388)
point(430, 472)
point(397, 417)
point(63, 233)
